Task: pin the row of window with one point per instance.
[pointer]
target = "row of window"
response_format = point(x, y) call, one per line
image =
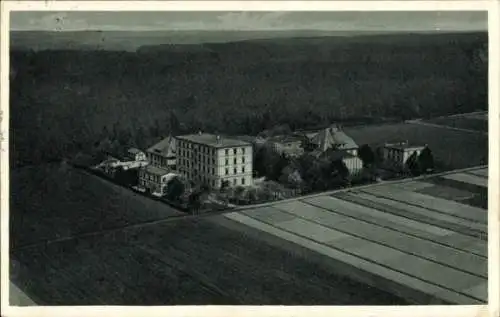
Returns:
point(213, 183)
point(151, 177)
point(183, 161)
point(187, 153)
point(143, 183)
point(235, 170)
point(158, 160)
point(203, 148)
point(205, 170)
point(235, 161)
point(183, 146)
point(187, 162)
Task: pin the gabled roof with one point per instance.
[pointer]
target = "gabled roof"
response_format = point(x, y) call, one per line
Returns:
point(331, 137)
point(165, 147)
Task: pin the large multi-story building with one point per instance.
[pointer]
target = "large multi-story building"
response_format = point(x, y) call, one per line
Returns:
point(212, 160)
point(396, 155)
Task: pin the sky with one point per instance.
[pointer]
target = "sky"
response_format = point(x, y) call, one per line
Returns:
point(327, 21)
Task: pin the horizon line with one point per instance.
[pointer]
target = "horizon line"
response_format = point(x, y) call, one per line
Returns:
point(253, 30)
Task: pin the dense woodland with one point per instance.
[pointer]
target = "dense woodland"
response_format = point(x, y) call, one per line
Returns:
point(69, 102)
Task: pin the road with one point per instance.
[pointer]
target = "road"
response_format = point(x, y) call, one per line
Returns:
point(446, 127)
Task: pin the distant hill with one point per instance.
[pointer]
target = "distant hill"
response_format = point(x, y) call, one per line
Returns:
point(65, 101)
point(132, 40)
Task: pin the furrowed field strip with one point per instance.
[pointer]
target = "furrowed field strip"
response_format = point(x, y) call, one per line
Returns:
point(65, 274)
point(176, 256)
point(441, 191)
point(367, 265)
point(479, 174)
point(173, 261)
point(477, 116)
point(453, 184)
point(255, 255)
point(437, 204)
point(119, 228)
point(472, 264)
point(425, 217)
point(162, 271)
point(462, 177)
point(420, 230)
point(397, 223)
point(416, 213)
point(310, 231)
point(109, 284)
point(79, 274)
point(346, 207)
point(243, 261)
point(413, 186)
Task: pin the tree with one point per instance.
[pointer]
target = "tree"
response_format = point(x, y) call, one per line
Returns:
point(194, 201)
point(339, 172)
point(259, 159)
point(278, 167)
point(379, 155)
point(367, 155)
point(238, 192)
point(140, 138)
point(224, 185)
point(426, 160)
point(175, 189)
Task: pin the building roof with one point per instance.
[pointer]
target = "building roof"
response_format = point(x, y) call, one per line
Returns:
point(333, 136)
point(134, 151)
point(285, 138)
point(171, 176)
point(213, 140)
point(404, 146)
point(156, 170)
point(165, 147)
point(338, 154)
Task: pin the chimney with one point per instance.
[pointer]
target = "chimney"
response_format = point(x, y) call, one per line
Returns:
point(217, 137)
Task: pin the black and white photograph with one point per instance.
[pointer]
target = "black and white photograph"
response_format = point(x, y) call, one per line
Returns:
point(298, 158)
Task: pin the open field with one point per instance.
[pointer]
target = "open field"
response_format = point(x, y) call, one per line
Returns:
point(324, 250)
point(55, 201)
point(183, 262)
point(424, 248)
point(196, 261)
point(452, 149)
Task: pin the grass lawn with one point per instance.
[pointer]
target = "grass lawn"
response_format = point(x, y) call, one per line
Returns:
point(452, 149)
point(52, 201)
point(181, 262)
